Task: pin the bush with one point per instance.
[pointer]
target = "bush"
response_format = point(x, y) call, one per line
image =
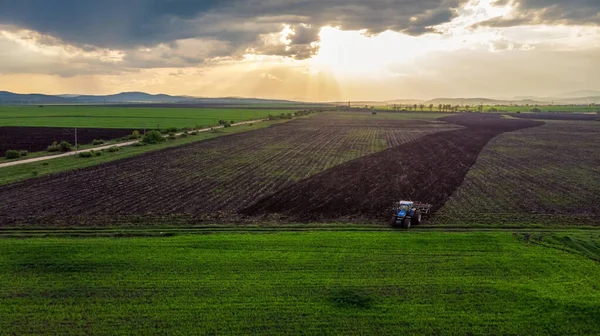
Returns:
point(172, 130)
point(172, 137)
point(222, 122)
point(134, 135)
point(373, 113)
point(54, 147)
point(113, 149)
point(12, 154)
point(537, 110)
point(232, 122)
point(184, 135)
point(97, 153)
point(193, 133)
point(140, 144)
point(153, 137)
point(65, 147)
point(24, 153)
point(86, 154)
point(98, 142)
point(226, 125)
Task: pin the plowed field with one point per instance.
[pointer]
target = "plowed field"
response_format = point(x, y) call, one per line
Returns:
point(428, 170)
point(212, 179)
point(547, 174)
point(39, 138)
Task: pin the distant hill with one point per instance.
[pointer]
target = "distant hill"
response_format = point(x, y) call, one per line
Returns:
point(15, 98)
point(580, 93)
point(479, 101)
point(133, 97)
point(580, 100)
point(128, 97)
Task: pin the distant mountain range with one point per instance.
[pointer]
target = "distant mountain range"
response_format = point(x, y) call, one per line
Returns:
point(570, 98)
point(126, 98)
point(10, 98)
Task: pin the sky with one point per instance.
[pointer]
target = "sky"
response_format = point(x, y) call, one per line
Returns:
point(310, 50)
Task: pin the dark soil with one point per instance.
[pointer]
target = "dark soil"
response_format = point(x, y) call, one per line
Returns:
point(207, 180)
point(35, 139)
point(427, 170)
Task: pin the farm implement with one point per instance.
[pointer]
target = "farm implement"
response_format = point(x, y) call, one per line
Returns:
point(409, 213)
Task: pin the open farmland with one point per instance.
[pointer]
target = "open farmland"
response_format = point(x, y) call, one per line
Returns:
point(428, 169)
point(39, 138)
point(125, 117)
point(548, 174)
point(336, 166)
point(211, 179)
point(316, 282)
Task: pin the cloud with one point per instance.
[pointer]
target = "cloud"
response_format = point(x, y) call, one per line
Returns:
point(119, 24)
point(568, 12)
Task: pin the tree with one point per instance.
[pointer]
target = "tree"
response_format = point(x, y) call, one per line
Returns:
point(65, 147)
point(431, 107)
point(440, 107)
point(422, 107)
point(12, 154)
point(153, 137)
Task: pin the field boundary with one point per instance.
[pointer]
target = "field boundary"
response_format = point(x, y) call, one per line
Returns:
point(266, 229)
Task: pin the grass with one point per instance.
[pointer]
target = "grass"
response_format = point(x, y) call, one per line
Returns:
point(36, 169)
point(298, 283)
point(124, 117)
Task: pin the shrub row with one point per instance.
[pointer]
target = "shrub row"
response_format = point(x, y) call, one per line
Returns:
point(15, 154)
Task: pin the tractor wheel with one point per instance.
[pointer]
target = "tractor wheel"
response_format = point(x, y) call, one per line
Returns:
point(406, 223)
point(394, 219)
point(416, 218)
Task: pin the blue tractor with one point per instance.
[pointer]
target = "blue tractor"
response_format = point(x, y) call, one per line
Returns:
point(409, 213)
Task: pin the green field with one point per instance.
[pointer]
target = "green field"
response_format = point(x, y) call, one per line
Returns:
point(125, 117)
point(301, 283)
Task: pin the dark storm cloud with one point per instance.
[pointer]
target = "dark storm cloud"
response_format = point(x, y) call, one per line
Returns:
point(126, 23)
point(573, 12)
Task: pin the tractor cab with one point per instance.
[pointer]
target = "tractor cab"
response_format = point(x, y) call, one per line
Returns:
point(408, 213)
point(403, 208)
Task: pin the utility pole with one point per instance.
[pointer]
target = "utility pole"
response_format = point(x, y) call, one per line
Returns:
point(76, 148)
